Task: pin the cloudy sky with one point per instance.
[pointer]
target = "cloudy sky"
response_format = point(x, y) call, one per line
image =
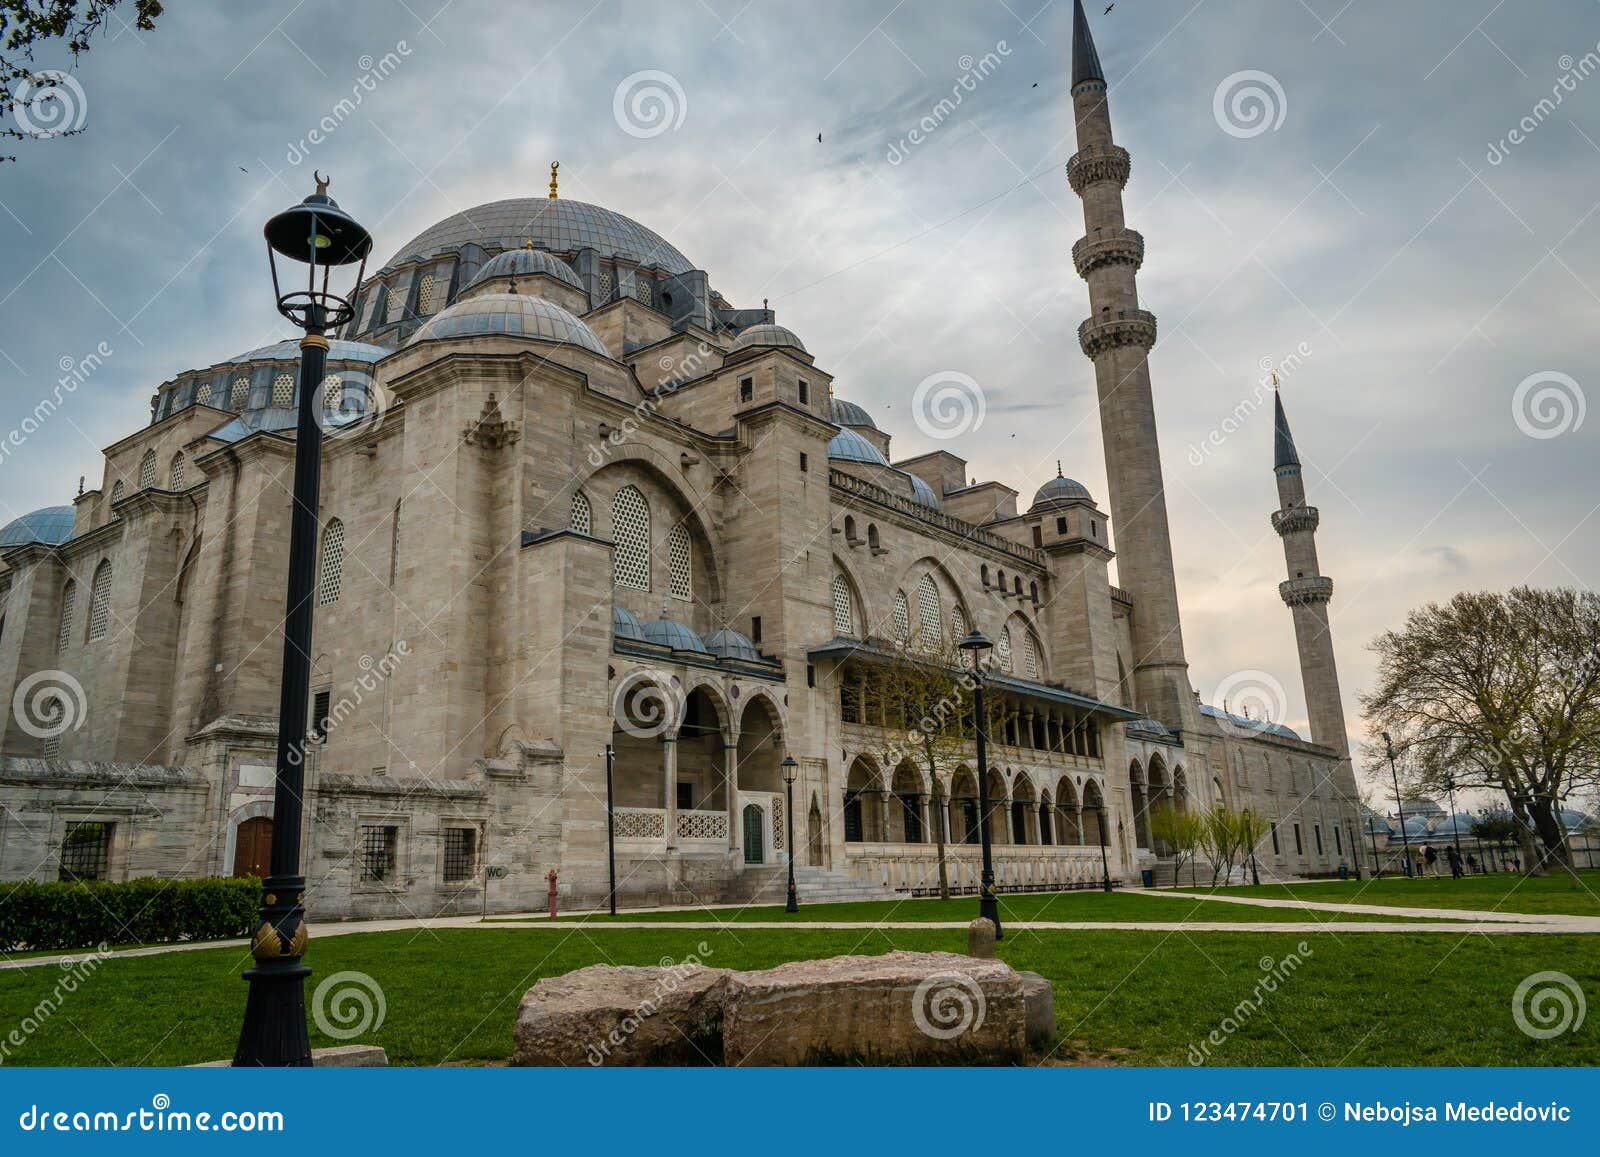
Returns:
point(1331, 179)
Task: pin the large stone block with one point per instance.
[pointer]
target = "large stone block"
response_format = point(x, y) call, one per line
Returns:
point(902, 1007)
point(1039, 1001)
point(623, 1015)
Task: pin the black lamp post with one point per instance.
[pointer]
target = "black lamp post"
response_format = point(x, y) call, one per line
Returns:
point(1400, 807)
point(1372, 830)
point(319, 234)
point(790, 770)
point(1455, 820)
point(978, 646)
point(611, 829)
point(1255, 873)
point(1105, 837)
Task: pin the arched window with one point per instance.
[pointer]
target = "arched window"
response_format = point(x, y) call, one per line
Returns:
point(983, 572)
point(202, 396)
point(582, 520)
point(283, 391)
point(1016, 585)
point(680, 573)
point(333, 394)
point(630, 530)
point(902, 617)
point(427, 294)
point(1033, 592)
point(958, 631)
point(1002, 649)
point(872, 536)
point(1030, 656)
point(330, 585)
point(177, 471)
point(930, 621)
point(69, 604)
point(117, 492)
point(844, 618)
point(147, 470)
point(240, 396)
point(100, 602)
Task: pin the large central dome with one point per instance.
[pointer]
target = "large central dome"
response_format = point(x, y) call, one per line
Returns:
point(559, 225)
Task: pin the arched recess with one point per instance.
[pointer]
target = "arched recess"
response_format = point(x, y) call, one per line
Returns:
point(646, 710)
point(760, 749)
point(863, 802)
point(999, 810)
point(638, 463)
point(1141, 804)
point(1022, 812)
point(816, 843)
point(906, 822)
point(858, 606)
point(1069, 822)
point(701, 777)
point(964, 806)
point(1024, 636)
point(1046, 819)
point(261, 809)
point(1095, 820)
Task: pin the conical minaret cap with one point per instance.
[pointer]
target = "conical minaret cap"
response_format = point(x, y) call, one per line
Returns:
point(1085, 60)
point(1283, 451)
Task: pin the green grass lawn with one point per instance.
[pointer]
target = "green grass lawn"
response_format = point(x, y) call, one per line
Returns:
point(1503, 892)
point(1121, 997)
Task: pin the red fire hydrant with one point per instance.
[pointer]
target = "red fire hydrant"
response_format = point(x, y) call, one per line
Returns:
point(552, 878)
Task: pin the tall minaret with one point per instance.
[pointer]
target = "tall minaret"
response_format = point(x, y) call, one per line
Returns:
point(1307, 591)
point(1117, 337)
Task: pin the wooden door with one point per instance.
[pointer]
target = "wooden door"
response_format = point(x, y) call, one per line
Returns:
point(252, 849)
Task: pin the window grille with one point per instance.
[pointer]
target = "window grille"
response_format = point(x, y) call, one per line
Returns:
point(958, 631)
point(177, 471)
point(69, 602)
point(902, 617)
point(333, 394)
point(630, 529)
point(283, 391)
point(331, 585)
point(100, 603)
point(202, 396)
point(679, 564)
point(86, 851)
point(929, 618)
point(240, 397)
point(1030, 657)
point(378, 844)
point(642, 290)
point(582, 520)
point(1002, 649)
point(117, 492)
point(460, 854)
point(147, 471)
point(427, 295)
point(844, 619)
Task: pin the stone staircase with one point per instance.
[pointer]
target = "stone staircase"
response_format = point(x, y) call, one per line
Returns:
point(813, 885)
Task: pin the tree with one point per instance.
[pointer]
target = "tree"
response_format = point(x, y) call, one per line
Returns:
point(1496, 828)
point(1499, 691)
point(26, 25)
point(1181, 829)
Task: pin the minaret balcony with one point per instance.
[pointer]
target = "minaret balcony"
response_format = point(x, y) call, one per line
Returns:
point(1114, 328)
point(1306, 592)
point(1110, 246)
point(1095, 163)
point(1295, 519)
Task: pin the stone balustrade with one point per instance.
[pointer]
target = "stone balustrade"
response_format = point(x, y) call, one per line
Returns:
point(1108, 246)
point(1098, 163)
point(1299, 592)
point(914, 868)
point(1114, 328)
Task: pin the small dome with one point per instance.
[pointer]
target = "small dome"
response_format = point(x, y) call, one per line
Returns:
point(671, 633)
point(848, 446)
point(922, 493)
point(513, 314)
point(1060, 489)
point(728, 644)
point(625, 625)
point(51, 526)
point(849, 414)
point(767, 335)
point(289, 351)
point(526, 263)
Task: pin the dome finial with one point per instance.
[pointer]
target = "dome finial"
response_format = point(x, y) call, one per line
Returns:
point(554, 165)
point(322, 183)
point(1058, 469)
point(527, 242)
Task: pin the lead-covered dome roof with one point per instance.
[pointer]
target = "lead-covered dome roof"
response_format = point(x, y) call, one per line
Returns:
point(848, 446)
point(525, 263)
point(51, 526)
point(1060, 489)
point(513, 315)
point(849, 414)
point(671, 633)
point(560, 225)
point(766, 335)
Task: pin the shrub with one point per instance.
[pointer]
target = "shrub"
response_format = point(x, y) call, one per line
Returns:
point(150, 910)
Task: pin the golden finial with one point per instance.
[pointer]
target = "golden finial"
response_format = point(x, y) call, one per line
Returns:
point(322, 183)
point(527, 242)
point(1274, 380)
point(554, 165)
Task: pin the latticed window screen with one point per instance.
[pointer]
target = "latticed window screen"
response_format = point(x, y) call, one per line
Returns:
point(1030, 657)
point(283, 391)
point(333, 393)
point(582, 518)
point(331, 585)
point(240, 397)
point(844, 619)
point(1003, 649)
point(397, 306)
point(69, 604)
point(642, 290)
point(958, 631)
point(100, 603)
point(427, 294)
point(202, 396)
point(86, 851)
point(117, 492)
point(902, 617)
point(929, 619)
point(679, 564)
point(177, 471)
point(147, 471)
point(630, 529)
point(608, 284)
point(460, 854)
point(378, 844)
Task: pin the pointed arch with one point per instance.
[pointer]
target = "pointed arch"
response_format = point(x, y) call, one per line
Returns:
point(1002, 648)
point(630, 530)
point(69, 606)
point(582, 519)
point(930, 616)
point(900, 614)
point(330, 584)
point(175, 472)
point(147, 470)
point(844, 619)
point(680, 563)
point(100, 602)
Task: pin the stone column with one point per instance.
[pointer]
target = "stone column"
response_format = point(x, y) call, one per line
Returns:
point(730, 773)
point(669, 787)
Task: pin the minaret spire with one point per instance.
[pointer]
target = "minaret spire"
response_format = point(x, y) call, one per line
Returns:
point(1283, 451)
point(1085, 60)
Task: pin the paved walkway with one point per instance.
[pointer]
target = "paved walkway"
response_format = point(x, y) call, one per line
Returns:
point(1570, 923)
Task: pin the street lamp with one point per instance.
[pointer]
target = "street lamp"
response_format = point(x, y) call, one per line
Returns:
point(790, 770)
point(1255, 838)
point(322, 236)
point(1455, 820)
point(1400, 807)
point(1105, 838)
point(1372, 830)
point(988, 906)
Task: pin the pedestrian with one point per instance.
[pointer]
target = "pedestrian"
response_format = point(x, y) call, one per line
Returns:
point(1472, 863)
point(1454, 857)
point(1430, 857)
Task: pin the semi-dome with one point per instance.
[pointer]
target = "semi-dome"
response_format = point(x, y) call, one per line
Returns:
point(848, 446)
point(556, 224)
point(766, 335)
point(514, 315)
point(625, 624)
point(730, 644)
point(922, 493)
point(51, 526)
point(1060, 489)
point(671, 633)
point(527, 262)
point(849, 414)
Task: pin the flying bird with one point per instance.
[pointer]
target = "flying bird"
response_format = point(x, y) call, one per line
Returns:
point(1109, 7)
point(1036, 84)
point(242, 169)
point(819, 138)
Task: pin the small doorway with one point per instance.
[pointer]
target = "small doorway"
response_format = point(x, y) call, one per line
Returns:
point(252, 849)
point(754, 829)
point(814, 833)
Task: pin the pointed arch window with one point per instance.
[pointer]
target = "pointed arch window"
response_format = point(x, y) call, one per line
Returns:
point(1030, 657)
point(630, 530)
point(958, 631)
point(117, 492)
point(680, 565)
point(147, 470)
point(69, 605)
point(283, 391)
point(1002, 649)
point(844, 619)
point(100, 602)
point(902, 617)
point(930, 620)
point(177, 471)
point(330, 584)
point(582, 518)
